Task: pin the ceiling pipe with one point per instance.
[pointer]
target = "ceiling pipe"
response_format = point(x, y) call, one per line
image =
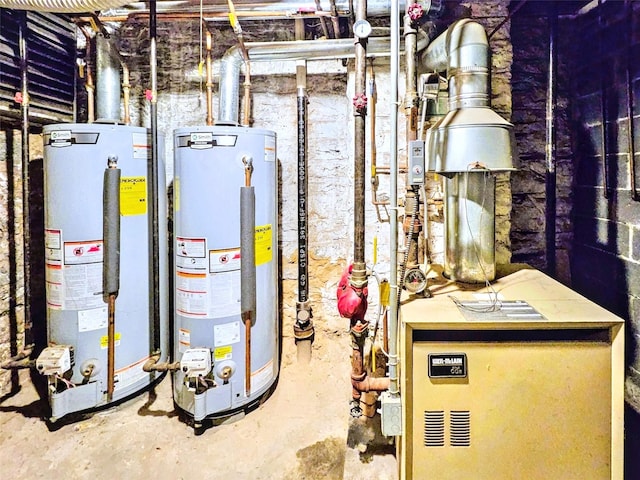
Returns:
point(232, 61)
point(63, 6)
point(375, 8)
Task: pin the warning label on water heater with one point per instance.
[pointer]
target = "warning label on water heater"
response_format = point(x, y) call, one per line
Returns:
point(133, 196)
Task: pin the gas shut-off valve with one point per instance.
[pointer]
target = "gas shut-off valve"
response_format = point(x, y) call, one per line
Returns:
point(195, 364)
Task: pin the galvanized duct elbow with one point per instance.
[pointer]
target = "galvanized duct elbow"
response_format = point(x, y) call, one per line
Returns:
point(463, 51)
point(232, 61)
point(63, 6)
point(471, 134)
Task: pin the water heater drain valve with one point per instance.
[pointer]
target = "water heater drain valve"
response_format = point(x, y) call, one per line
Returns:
point(55, 360)
point(196, 362)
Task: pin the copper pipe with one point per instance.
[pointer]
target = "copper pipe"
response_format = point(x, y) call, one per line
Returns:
point(335, 19)
point(247, 94)
point(126, 87)
point(323, 22)
point(371, 384)
point(111, 345)
point(88, 84)
point(152, 365)
point(209, 82)
point(247, 353)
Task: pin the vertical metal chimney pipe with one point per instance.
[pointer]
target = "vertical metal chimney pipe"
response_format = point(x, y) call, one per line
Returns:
point(108, 80)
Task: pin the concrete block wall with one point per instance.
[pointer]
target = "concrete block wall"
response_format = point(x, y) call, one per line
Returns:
point(606, 257)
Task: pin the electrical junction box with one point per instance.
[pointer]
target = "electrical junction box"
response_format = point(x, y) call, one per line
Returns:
point(196, 362)
point(415, 173)
point(530, 386)
point(55, 360)
point(390, 414)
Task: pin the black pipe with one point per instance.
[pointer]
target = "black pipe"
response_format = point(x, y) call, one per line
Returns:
point(303, 264)
point(550, 151)
point(26, 236)
point(152, 189)
point(359, 276)
point(635, 195)
point(603, 107)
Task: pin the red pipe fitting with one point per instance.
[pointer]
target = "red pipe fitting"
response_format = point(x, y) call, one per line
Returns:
point(352, 301)
point(415, 11)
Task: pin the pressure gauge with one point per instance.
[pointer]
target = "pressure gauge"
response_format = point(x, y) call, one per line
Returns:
point(362, 28)
point(415, 281)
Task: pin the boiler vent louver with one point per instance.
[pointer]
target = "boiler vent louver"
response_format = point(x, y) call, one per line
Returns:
point(434, 428)
point(460, 428)
point(51, 45)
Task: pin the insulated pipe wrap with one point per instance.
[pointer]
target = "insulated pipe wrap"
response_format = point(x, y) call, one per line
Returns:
point(247, 251)
point(63, 6)
point(111, 231)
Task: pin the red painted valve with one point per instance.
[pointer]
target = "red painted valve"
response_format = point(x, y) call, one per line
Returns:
point(352, 301)
point(415, 11)
point(360, 101)
point(17, 97)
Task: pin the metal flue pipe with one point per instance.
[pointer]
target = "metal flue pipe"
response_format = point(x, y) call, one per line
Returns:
point(108, 80)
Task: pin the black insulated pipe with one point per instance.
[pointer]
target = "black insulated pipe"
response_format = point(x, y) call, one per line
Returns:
point(152, 189)
point(247, 266)
point(111, 227)
point(111, 260)
point(550, 150)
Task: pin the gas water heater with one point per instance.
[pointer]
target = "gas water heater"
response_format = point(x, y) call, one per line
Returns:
point(225, 250)
point(76, 359)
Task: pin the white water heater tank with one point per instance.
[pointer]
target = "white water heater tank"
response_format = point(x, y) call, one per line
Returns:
point(75, 158)
point(210, 167)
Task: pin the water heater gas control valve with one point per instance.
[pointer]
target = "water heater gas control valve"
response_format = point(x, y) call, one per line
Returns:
point(196, 362)
point(55, 360)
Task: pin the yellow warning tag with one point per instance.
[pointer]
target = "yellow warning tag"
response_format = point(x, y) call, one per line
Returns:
point(176, 193)
point(384, 293)
point(264, 244)
point(222, 353)
point(133, 196)
point(104, 340)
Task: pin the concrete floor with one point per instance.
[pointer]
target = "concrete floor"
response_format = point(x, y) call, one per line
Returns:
point(303, 431)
